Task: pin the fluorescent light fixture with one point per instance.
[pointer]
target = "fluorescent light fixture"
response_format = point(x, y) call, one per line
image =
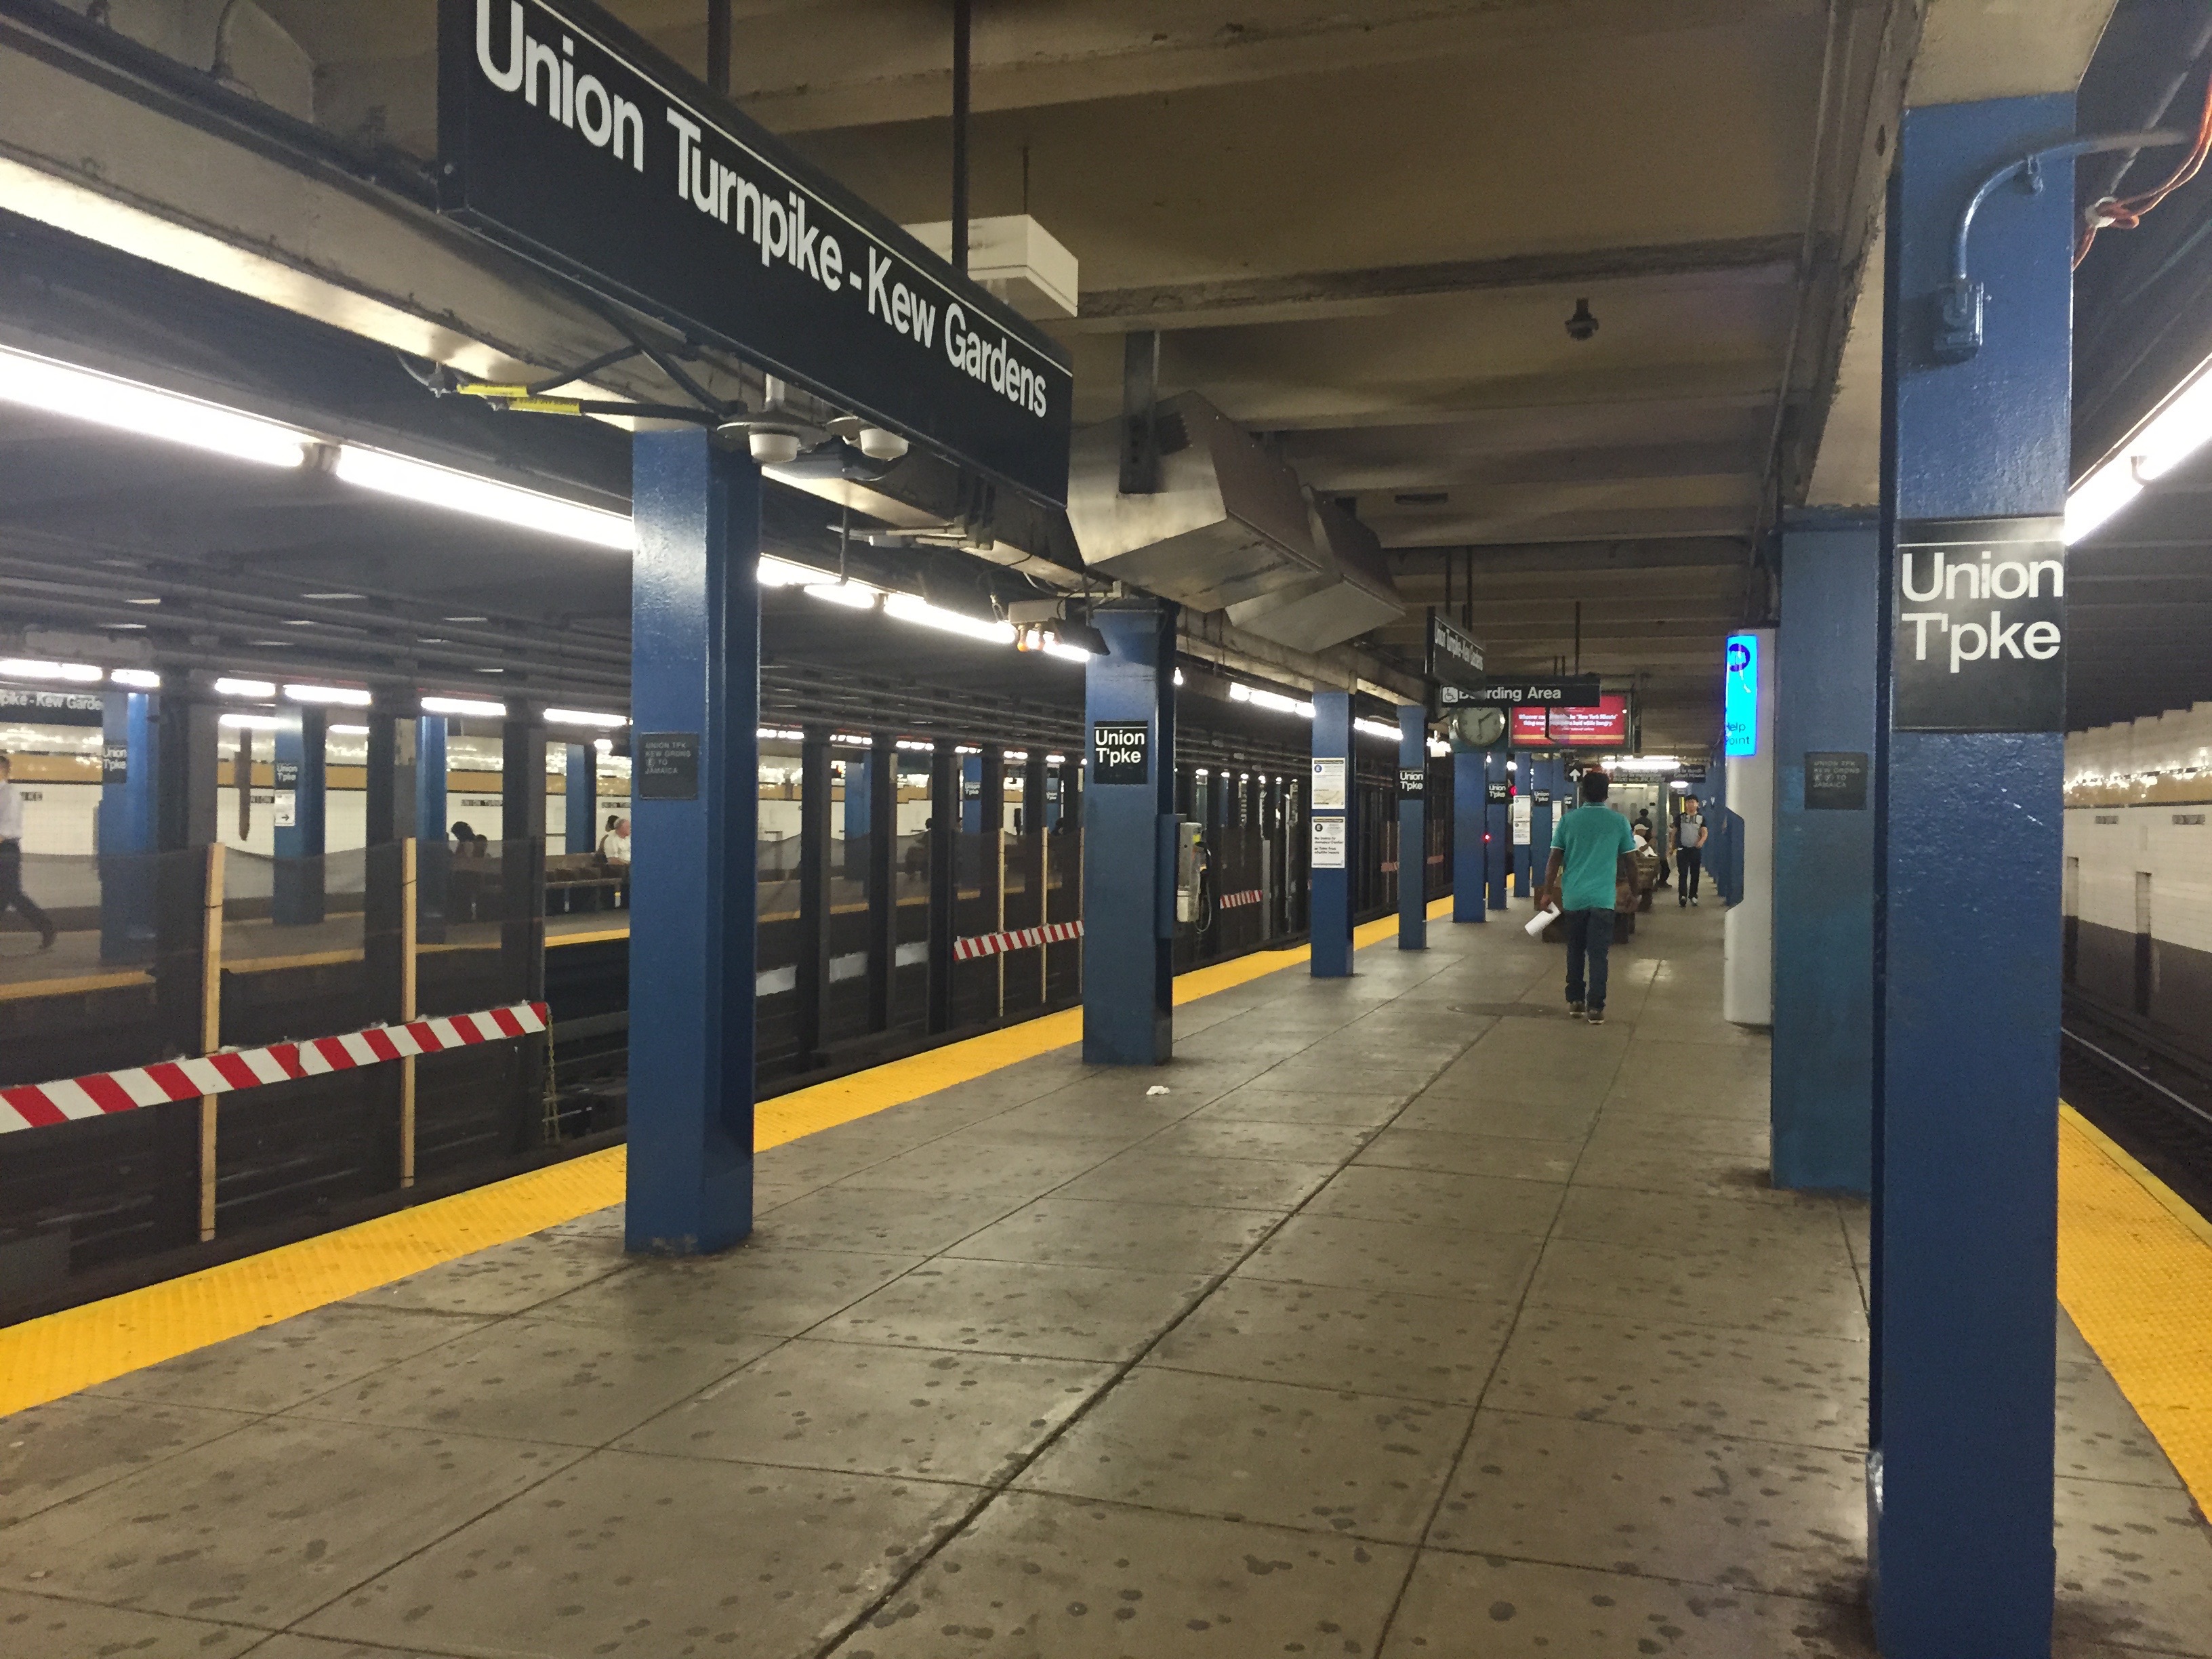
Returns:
point(1274, 702)
point(2176, 430)
point(350, 697)
point(1014, 754)
point(464, 706)
point(1682, 784)
point(483, 498)
point(25, 668)
point(260, 690)
point(853, 596)
point(2100, 495)
point(1067, 652)
point(584, 717)
point(782, 573)
point(84, 394)
point(1375, 729)
point(1645, 763)
point(915, 743)
point(1055, 760)
point(779, 734)
point(349, 731)
point(909, 607)
point(1438, 747)
point(248, 722)
point(139, 679)
point(965, 749)
point(856, 739)
point(604, 745)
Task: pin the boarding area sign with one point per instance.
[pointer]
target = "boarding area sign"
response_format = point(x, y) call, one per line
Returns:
point(1980, 642)
point(565, 138)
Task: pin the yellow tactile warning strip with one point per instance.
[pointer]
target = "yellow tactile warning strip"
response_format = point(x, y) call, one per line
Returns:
point(43, 1359)
point(2135, 1271)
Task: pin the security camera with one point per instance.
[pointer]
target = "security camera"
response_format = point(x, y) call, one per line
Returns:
point(773, 448)
point(880, 444)
point(1582, 326)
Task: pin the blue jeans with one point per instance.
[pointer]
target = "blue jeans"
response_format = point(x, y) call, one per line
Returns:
point(1590, 937)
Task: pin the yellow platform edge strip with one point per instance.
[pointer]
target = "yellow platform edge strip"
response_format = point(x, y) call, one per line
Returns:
point(2134, 1273)
point(43, 1359)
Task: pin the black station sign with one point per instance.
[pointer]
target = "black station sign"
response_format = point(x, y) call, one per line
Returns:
point(1576, 692)
point(665, 766)
point(1497, 791)
point(566, 138)
point(1121, 751)
point(1412, 782)
point(1981, 626)
point(1543, 797)
point(37, 708)
point(115, 764)
point(1454, 657)
point(1835, 780)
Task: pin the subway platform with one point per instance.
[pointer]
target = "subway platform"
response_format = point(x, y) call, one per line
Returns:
point(1399, 1315)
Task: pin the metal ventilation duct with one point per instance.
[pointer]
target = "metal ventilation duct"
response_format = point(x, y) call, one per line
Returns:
point(1353, 593)
point(1227, 525)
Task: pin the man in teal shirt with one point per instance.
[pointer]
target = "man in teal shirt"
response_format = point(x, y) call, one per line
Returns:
point(1590, 845)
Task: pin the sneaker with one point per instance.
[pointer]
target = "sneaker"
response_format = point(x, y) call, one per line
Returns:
point(1693, 903)
point(46, 939)
point(1574, 1007)
point(1596, 1016)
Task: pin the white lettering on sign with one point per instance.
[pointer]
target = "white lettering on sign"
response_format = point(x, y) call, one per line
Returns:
point(1328, 787)
point(1327, 843)
point(1980, 635)
point(777, 221)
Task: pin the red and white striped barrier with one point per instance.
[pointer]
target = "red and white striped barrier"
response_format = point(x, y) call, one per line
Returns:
point(1021, 939)
point(34, 1105)
point(1236, 901)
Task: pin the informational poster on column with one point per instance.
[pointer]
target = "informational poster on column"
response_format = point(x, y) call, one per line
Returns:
point(1521, 825)
point(1327, 785)
point(1328, 842)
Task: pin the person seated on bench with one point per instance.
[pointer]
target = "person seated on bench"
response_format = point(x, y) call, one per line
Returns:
point(614, 845)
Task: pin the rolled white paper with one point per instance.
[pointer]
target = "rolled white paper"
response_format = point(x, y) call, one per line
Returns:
point(1543, 919)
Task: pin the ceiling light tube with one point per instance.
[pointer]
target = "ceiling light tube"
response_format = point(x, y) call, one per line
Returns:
point(1375, 729)
point(349, 731)
point(248, 722)
point(483, 498)
point(85, 394)
point(853, 596)
point(782, 573)
point(464, 706)
point(1068, 653)
point(25, 668)
point(584, 717)
point(350, 697)
point(261, 691)
point(910, 607)
point(139, 680)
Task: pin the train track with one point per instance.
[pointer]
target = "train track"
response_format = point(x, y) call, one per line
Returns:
point(2151, 1095)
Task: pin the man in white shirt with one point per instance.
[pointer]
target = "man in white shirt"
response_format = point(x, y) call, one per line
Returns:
point(1689, 852)
point(614, 845)
point(11, 860)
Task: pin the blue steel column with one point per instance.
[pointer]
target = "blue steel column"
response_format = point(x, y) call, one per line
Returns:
point(127, 825)
point(1412, 830)
point(1539, 772)
point(1497, 829)
point(1468, 816)
point(1967, 940)
point(582, 798)
point(1330, 914)
point(433, 857)
point(694, 669)
point(1129, 885)
point(1822, 1080)
point(297, 890)
point(1524, 785)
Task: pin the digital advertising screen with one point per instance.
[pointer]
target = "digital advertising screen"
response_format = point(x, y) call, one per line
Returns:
point(1605, 726)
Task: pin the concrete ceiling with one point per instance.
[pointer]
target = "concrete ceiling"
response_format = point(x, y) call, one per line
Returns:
point(1361, 232)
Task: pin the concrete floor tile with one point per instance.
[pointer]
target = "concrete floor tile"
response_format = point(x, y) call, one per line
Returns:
point(2134, 1567)
point(1677, 1154)
point(1458, 1605)
point(1152, 1238)
point(42, 1627)
point(1314, 1459)
point(605, 1559)
point(885, 1220)
point(2099, 1436)
point(51, 1452)
point(1690, 1223)
point(1269, 1101)
point(978, 1164)
point(1516, 1157)
point(290, 1646)
point(506, 1278)
point(1079, 1117)
point(1043, 1578)
point(870, 1410)
point(1258, 1137)
point(1743, 1515)
point(1227, 1183)
point(772, 1290)
point(264, 1525)
point(1778, 1385)
point(1418, 1347)
point(1432, 1112)
point(1019, 1308)
point(1381, 1255)
point(1426, 1198)
point(294, 1359)
point(567, 1384)
point(1750, 1292)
